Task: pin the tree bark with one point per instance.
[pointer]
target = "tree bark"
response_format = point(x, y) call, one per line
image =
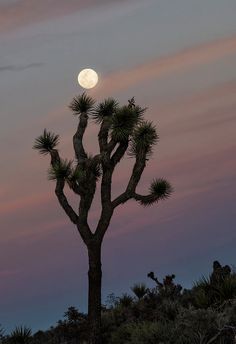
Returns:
point(94, 295)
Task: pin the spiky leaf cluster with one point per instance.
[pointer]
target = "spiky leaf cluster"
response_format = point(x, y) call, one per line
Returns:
point(143, 139)
point(161, 188)
point(20, 335)
point(46, 142)
point(77, 175)
point(82, 104)
point(97, 171)
point(139, 289)
point(124, 121)
point(107, 108)
point(61, 170)
point(139, 111)
point(94, 167)
point(81, 174)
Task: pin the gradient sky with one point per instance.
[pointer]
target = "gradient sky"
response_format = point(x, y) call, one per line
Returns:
point(178, 57)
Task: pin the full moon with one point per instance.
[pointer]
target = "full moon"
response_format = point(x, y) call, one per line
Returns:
point(88, 78)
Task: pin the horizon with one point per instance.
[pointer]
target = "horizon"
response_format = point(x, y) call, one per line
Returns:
point(177, 59)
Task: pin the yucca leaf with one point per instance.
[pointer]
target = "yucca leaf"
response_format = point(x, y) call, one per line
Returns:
point(139, 113)
point(123, 123)
point(139, 289)
point(21, 335)
point(125, 300)
point(61, 170)
point(106, 108)
point(94, 166)
point(159, 189)
point(81, 104)
point(143, 139)
point(203, 283)
point(78, 175)
point(46, 142)
point(227, 288)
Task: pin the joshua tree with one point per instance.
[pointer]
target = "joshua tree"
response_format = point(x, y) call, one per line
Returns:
point(121, 129)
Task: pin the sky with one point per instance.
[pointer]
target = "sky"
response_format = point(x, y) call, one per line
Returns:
point(178, 58)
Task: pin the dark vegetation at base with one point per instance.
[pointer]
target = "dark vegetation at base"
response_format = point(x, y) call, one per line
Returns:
point(164, 314)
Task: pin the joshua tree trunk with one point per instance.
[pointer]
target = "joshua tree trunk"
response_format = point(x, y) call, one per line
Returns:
point(94, 295)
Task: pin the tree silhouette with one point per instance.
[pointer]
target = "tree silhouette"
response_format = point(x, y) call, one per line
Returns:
point(122, 130)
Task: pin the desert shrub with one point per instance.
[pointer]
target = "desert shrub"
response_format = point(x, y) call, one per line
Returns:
point(196, 326)
point(125, 300)
point(169, 310)
point(143, 333)
point(214, 290)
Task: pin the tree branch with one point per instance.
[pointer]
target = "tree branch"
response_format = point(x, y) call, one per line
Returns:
point(55, 158)
point(106, 186)
point(119, 153)
point(59, 190)
point(225, 329)
point(83, 226)
point(78, 190)
point(63, 201)
point(78, 138)
point(105, 156)
point(89, 188)
point(111, 145)
point(146, 199)
point(104, 222)
point(87, 198)
point(138, 169)
point(103, 134)
point(108, 166)
point(122, 198)
point(129, 193)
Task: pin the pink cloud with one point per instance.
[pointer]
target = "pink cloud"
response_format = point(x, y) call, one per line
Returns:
point(24, 12)
point(9, 272)
point(24, 202)
point(160, 67)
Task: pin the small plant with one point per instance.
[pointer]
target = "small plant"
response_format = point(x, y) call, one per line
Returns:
point(139, 289)
point(21, 335)
point(125, 300)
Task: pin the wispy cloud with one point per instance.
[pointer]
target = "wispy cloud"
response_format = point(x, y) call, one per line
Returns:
point(20, 13)
point(21, 203)
point(17, 68)
point(182, 61)
point(6, 273)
